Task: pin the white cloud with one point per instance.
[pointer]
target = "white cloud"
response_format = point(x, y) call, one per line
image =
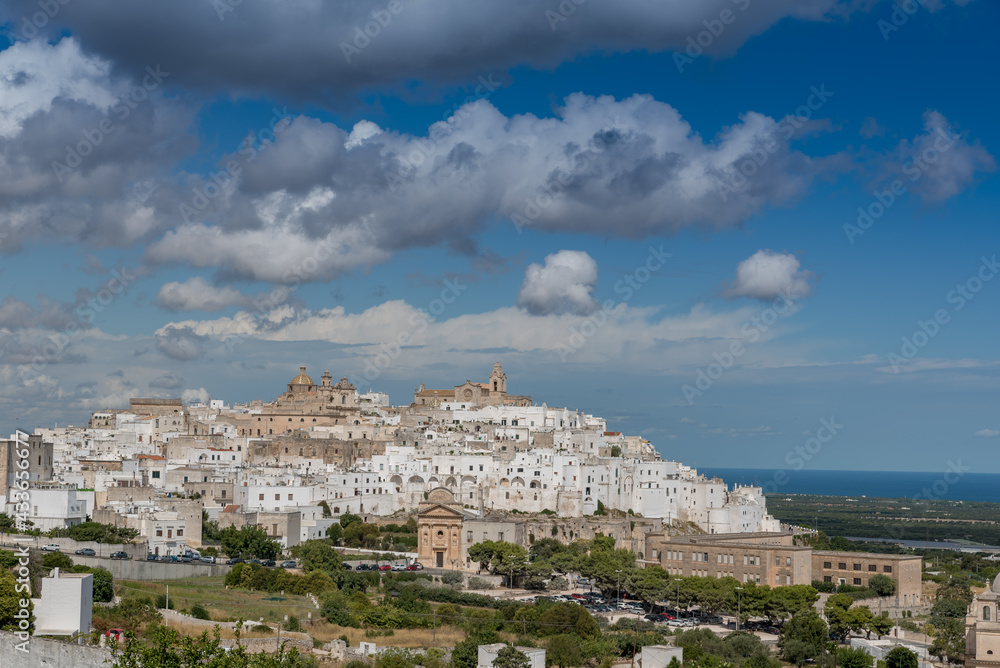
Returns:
point(766, 275)
point(197, 294)
point(200, 395)
point(564, 284)
point(987, 433)
point(352, 199)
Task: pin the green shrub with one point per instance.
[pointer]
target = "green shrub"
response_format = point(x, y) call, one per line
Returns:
point(161, 602)
point(199, 612)
point(452, 578)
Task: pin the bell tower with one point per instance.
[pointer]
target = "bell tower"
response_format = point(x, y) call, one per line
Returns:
point(498, 380)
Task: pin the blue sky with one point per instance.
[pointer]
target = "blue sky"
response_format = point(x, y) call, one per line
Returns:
point(373, 201)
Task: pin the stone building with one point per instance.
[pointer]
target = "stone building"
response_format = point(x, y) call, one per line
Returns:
point(304, 405)
point(440, 522)
point(855, 568)
point(763, 558)
point(982, 629)
point(492, 393)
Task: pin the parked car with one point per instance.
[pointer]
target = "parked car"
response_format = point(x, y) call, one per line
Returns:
point(119, 555)
point(117, 634)
point(150, 557)
point(233, 561)
point(399, 567)
point(186, 558)
point(51, 547)
point(419, 565)
point(269, 563)
point(413, 567)
point(86, 552)
point(385, 567)
point(208, 560)
point(289, 563)
point(361, 567)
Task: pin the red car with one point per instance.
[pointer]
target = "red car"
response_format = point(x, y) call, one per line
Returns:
point(578, 597)
point(412, 567)
point(385, 567)
point(117, 634)
point(666, 616)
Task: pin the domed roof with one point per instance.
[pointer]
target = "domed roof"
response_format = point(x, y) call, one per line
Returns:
point(302, 378)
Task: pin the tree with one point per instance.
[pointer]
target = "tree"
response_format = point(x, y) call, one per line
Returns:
point(167, 648)
point(318, 555)
point(509, 657)
point(900, 657)
point(466, 653)
point(881, 625)
point(883, 585)
point(104, 589)
point(335, 532)
point(803, 637)
point(247, 541)
point(837, 614)
point(326, 508)
point(347, 519)
point(949, 640)
point(648, 584)
point(56, 560)
point(789, 600)
point(564, 651)
point(849, 657)
point(10, 604)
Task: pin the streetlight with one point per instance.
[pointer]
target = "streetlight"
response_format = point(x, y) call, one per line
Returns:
point(739, 600)
point(678, 600)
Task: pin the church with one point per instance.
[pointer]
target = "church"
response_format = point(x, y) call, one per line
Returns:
point(982, 629)
point(492, 393)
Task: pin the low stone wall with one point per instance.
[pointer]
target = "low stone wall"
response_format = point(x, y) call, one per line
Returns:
point(130, 569)
point(43, 653)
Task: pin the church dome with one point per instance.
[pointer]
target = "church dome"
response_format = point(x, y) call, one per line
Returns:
point(302, 378)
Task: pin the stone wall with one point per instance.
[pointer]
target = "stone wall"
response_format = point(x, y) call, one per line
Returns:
point(44, 653)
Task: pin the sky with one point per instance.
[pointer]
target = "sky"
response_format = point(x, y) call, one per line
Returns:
point(760, 233)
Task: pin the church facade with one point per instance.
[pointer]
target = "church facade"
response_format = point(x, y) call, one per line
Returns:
point(982, 629)
point(492, 393)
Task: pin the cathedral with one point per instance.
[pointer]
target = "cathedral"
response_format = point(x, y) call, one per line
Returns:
point(492, 393)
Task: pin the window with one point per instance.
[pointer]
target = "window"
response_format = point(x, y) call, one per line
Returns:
point(468, 536)
point(159, 532)
point(986, 614)
point(788, 561)
point(277, 497)
point(180, 532)
point(872, 568)
point(827, 578)
point(827, 564)
point(223, 494)
point(500, 536)
point(156, 475)
point(857, 581)
point(842, 565)
point(260, 497)
point(887, 569)
point(857, 567)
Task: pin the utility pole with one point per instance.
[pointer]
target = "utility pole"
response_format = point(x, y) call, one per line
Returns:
point(434, 630)
point(166, 609)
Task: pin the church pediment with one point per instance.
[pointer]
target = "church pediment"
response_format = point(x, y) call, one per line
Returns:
point(441, 511)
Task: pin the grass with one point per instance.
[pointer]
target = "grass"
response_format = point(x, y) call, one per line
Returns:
point(447, 636)
point(222, 604)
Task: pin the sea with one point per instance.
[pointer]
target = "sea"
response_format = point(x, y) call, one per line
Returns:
point(955, 486)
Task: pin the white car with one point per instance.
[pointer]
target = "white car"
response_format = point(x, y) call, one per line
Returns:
point(51, 547)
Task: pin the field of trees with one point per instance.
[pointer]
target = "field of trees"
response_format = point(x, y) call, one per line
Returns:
point(893, 519)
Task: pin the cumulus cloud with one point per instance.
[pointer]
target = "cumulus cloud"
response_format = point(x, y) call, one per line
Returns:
point(197, 294)
point(987, 433)
point(939, 163)
point(179, 343)
point(564, 284)
point(310, 49)
point(766, 275)
point(109, 187)
point(168, 381)
point(199, 396)
point(322, 200)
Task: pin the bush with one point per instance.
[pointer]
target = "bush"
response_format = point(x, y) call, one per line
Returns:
point(199, 612)
point(357, 663)
point(161, 602)
point(476, 582)
point(347, 641)
point(56, 560)
point(261, 628)
point(452, 578)
point(292, 625)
